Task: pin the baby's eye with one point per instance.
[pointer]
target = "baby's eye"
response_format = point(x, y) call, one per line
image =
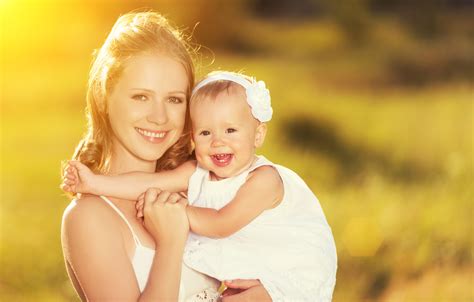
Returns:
point(175, 100)
point(205, 132)
point(230, 130)
point(140, 97)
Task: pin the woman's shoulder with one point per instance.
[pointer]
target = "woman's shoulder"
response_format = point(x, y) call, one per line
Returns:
point(90, 209)
point(89, 221)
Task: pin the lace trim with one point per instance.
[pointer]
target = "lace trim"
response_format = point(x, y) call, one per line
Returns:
point(208, 295)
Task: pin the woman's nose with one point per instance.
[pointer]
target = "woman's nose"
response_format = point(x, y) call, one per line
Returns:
point(158, 114)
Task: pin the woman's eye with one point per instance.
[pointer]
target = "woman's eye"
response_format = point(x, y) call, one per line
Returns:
point(140, 97)
point(205, 132)
point(230, 130)
point(175, 100)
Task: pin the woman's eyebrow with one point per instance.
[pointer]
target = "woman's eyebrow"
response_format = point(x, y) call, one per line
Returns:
point(152, 91)
point(143, 89)
point(177, 92)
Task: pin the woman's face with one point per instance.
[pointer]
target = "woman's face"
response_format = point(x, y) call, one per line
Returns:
point(147, 107)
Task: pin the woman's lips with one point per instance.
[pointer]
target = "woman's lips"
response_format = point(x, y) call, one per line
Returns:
point(221, 160)
point(154, 137)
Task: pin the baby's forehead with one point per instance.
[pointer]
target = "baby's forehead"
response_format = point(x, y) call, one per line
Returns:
point(230, 94)
point(218, 90)
point(225, 105)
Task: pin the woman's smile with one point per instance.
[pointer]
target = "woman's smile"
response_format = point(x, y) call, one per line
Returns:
point(151, 135)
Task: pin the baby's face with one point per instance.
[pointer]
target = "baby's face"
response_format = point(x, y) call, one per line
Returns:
point(225, 133)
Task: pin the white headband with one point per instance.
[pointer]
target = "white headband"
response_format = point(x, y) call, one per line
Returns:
point(258, 96)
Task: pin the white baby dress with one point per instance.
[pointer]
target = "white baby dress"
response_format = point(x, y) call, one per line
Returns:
point(290, 248)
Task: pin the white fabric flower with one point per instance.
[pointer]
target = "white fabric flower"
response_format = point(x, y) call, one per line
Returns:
point(258, 97)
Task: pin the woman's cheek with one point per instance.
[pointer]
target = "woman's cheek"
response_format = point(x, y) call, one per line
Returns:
point(177, 115)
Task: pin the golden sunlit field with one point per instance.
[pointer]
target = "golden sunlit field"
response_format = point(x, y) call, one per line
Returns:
point(380, 128)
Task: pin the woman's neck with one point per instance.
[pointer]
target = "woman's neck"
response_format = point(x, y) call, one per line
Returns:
point(122, 161)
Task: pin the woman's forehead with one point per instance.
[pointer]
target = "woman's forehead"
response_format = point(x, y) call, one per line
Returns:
point(154, 71)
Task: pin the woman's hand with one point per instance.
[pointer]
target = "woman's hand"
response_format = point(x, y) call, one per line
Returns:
point(165, 216)
point(245, 290)
point(78, 178)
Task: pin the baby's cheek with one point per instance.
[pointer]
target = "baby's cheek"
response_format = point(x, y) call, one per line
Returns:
point(199, 154)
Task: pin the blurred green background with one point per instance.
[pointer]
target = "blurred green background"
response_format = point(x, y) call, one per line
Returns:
point(373, 107)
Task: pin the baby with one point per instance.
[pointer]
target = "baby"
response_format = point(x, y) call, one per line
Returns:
point(250, 218)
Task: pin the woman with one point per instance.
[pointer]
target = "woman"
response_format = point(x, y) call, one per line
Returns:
point(137, 102)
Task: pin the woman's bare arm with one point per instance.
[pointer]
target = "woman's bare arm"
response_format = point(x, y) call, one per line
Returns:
point(93, 247)
point(166, 221)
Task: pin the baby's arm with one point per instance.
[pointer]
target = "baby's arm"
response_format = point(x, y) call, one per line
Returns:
point(263, 190)
point(80, 179)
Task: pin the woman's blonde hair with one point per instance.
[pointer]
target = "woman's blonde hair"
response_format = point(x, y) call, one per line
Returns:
point(133, 34)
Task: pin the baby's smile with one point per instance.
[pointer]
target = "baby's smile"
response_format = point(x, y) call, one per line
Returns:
point(222, 159)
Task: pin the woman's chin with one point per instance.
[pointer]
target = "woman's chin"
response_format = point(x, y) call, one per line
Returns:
point(151, 156)
point(150, 152)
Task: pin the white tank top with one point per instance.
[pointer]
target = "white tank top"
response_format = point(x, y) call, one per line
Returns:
point(194, 286)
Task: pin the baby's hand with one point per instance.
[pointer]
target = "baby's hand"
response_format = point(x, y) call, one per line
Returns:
point(78, 178)
point(141, 202)
point(139, 205)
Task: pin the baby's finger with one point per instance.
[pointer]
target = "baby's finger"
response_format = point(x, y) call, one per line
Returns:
point(64, 179)
point(139, 204)
point(163, 196)
point(66, 170)
point(69, 182)
point(173, 198)
point(67, 188)
point(71, 169)
point(74, 163)
point(183, 202)
point(150, 196)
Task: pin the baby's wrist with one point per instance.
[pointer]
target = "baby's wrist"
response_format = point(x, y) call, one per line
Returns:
point(96, 182)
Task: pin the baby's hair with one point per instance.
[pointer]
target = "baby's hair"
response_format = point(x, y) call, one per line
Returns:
point(213, 89)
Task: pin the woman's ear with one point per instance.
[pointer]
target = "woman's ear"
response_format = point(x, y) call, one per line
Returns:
point(260, 133)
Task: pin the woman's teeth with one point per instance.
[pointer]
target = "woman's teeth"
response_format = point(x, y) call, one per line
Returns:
point(151, 134)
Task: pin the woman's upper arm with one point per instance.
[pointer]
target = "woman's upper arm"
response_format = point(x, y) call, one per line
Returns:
point(93, 245)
